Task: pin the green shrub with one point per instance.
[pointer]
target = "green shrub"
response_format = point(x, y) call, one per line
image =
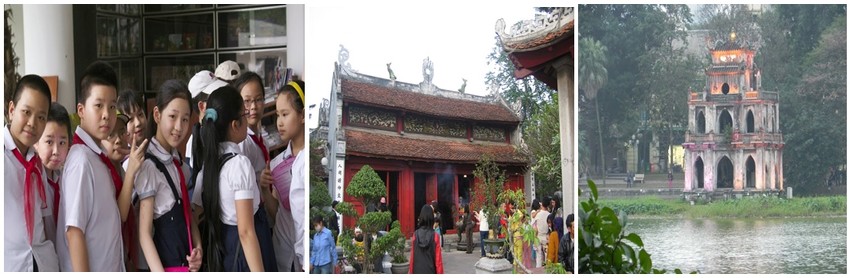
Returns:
point(604, 247)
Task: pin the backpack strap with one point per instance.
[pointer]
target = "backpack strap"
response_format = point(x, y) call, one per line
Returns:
point(164, 171)
point(225, 157)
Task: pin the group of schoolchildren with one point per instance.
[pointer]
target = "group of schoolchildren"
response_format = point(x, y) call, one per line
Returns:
point(116, 194)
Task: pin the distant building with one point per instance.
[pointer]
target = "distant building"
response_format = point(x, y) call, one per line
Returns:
point(733, 141)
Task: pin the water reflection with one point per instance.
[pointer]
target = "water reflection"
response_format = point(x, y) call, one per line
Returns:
point(804, 245)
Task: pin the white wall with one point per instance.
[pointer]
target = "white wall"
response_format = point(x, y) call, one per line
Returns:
point(17, 24)
point(295, 39)
point(49, 42)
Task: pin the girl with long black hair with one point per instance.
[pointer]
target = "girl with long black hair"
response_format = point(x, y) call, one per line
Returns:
point(229, 193)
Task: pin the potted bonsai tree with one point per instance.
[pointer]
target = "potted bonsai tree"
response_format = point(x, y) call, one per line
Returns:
point(490, 181)
point(393, 242)
point(366, 186)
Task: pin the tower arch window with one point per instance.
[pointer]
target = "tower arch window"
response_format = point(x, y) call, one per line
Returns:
point(751, 122)
point(724, 121)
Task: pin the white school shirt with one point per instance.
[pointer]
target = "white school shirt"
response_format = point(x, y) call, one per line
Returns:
point(189, 150)
point(47, 212)
point(88, 203)
point(18, 253)
point(141, 262)
point(236, 182)
point(297, 203)
point(252, 150)
point(150, 182)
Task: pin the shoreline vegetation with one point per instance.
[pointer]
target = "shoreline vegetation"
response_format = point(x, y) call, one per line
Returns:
point(653, 206)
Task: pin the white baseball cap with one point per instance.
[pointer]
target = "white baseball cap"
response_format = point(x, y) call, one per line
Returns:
point(227, 70)
point(204, 82)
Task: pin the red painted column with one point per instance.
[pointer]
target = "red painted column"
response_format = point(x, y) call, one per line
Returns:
point(405, 198)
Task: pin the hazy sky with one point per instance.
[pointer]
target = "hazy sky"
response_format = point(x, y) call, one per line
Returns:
point(456, 38)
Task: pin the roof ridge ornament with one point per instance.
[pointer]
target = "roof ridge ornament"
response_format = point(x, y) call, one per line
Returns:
point(342, 59)
point(428, 70)
point(530, 29)
point(390, 71)
point(427, 85)
point(515, 107)
point(462, 89)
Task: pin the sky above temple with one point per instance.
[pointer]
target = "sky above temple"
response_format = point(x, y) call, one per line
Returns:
point(456, 38)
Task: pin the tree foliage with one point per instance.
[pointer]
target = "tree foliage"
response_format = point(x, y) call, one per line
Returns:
point(392, 243)
point(592, 76)
point(723, 20)
point(11, 61)
point(320, 197)
point(803, 58)
point(366, 186)
point(489, 182)
point(542, 137)
point(532, 94)
point(671, 74)
point(605, 246)
point(815, 113)
point(539, 113)
point(629, 32)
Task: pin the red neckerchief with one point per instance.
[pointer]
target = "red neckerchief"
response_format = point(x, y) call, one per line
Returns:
point(187, 214)
point(128, 229)
point(31, 168)
point(55, 186)
point(116, 178)
point(259, 142)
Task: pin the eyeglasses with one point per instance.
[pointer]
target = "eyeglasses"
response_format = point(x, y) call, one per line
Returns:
point(248, 102)
point(117, 134)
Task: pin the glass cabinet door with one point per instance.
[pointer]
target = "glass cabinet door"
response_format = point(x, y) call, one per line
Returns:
point(161, 68)
point(118, 36)
point(165, 8)
point(252, 27)
point(129, 36)
point(107, 36)
point(130, 75)
point(269, 64)
point(124, 9)
point(179, 33)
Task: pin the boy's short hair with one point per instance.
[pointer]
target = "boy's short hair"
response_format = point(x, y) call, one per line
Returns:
point(58, 114)
point(98, 73)
point(318, 220)
point(34, 82)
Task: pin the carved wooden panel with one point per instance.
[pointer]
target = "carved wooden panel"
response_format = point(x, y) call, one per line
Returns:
point(488, 133)
point(370, 117)
point(426, 125)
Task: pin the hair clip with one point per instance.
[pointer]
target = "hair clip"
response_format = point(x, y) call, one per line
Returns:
point(211, 114)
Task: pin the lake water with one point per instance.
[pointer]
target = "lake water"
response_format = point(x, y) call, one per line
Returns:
point(794, 245)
